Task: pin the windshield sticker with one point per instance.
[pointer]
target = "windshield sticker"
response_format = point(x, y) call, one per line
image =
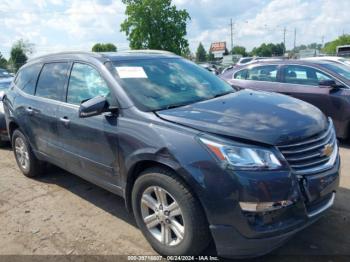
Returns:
point(131, 72)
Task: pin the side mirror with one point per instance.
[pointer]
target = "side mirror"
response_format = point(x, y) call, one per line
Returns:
point(327, 83)
point(93, 107)
point(334, 86)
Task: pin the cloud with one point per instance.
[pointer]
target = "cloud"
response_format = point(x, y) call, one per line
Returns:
point(54, 25)
point(264, 21)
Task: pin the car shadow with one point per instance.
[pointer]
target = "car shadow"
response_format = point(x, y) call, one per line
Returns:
point(344, 143)
point(6, 146)
point(322, 241)
point(109, 202)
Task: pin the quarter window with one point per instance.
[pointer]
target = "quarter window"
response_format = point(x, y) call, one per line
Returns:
point(263, 73)
point(52, 80)
point(85, 83)
point(26, 78)
point(303, 75)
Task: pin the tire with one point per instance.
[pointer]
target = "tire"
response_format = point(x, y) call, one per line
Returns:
point(28, 164)
point(195, 237)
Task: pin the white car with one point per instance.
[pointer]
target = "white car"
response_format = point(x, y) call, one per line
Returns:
point(336, 59)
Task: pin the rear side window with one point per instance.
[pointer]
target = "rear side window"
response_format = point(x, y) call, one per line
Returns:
point(241, 74)
point(26, 78)
point(263, 73)
point(52, 80)
point(85, 83)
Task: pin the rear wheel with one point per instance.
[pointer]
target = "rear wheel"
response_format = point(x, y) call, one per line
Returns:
point(168, 214)
point(25, 158)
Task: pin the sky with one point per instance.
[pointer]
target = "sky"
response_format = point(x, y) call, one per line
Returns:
point(61, 25)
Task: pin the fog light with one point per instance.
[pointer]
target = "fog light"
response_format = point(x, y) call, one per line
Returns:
point(264, 206)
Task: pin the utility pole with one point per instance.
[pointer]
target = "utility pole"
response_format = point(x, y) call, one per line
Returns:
point(284, 39)
point(295, 37)
point(322, 40)
point(231, 24)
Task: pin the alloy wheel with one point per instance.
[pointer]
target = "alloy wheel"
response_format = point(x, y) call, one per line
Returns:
point(162, 216)
point(22, 153)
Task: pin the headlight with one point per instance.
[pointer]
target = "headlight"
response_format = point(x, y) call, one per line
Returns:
point(2, 108)
point(243, 157)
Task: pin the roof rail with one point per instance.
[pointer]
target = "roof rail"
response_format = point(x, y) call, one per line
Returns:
point(150, 51)
point(95, 54)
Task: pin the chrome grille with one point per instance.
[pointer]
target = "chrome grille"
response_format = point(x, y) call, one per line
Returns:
point(307, 156)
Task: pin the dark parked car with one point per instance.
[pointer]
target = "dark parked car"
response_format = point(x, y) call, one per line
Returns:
point(194, 159)
point(5, 81)
point(321, 83)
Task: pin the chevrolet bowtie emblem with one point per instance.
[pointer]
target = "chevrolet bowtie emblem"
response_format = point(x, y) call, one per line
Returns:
point(327, 150)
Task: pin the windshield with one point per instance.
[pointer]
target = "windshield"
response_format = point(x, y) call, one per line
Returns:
point(340, 69)
point(155, 84)
point(245, 60)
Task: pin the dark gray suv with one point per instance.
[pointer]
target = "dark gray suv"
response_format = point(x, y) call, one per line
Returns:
point(194, 159)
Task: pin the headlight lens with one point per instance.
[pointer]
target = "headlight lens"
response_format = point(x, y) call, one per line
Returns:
point(242, 157)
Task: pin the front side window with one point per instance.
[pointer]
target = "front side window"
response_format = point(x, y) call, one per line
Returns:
point(263, 73)
point(161, 83)
point(85, 83)
point(27, 77)
point(52, 80)
point(339, 69)
point(302, 75)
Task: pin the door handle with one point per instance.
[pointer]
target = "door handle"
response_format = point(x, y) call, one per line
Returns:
point(65, 121)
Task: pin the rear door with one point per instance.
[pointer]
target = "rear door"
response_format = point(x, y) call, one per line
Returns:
point(43, 110)
point(303, 82)
point(262, 77)
point(90, 144)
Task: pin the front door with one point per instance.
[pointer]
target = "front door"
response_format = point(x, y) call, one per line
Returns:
point(302, 82)
point(90, 144)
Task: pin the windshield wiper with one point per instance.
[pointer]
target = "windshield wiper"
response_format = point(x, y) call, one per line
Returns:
point(222, 94)
point(175, 106)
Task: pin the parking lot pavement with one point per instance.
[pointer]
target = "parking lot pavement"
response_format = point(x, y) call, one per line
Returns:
point(60, 213)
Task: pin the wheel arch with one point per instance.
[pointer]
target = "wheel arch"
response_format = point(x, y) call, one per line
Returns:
point(137, 169)
point(13, 125)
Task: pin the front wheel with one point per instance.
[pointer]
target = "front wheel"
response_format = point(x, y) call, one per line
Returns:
point(168, 214)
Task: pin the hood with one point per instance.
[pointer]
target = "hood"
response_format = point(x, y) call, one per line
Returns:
point(262, 117)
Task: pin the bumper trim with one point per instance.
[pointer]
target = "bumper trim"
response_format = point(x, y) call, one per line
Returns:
point(323, 208)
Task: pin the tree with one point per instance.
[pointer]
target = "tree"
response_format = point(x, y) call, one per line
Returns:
point(239, 50)
point(331, 47)
point(3, 61)
point(108, 47)
point(201, 54)
point(268, 50)
point(155, 24)
point(210, 56)
point(18, 56)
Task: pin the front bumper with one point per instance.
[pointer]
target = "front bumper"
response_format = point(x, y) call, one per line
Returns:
point(259, 233)
point(231, 244)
